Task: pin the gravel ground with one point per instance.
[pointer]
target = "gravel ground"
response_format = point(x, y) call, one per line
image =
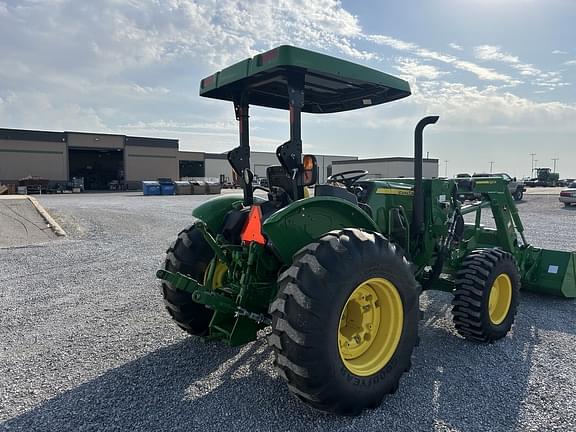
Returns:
point(86, 344)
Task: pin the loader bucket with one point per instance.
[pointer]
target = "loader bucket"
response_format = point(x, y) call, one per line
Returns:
point(552, 273)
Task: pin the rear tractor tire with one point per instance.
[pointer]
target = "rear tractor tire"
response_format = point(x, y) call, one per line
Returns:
point(345, 321)
point(518, 195)
point(486, 296)
point(189, 255)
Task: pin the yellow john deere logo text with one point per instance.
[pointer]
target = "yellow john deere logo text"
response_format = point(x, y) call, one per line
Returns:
point(486, 182)
point(390, 191)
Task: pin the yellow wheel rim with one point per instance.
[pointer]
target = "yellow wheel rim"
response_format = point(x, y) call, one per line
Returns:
point(500, 299)
point(219, 274)
point(370, 326)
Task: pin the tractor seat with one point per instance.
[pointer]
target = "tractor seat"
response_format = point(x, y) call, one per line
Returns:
point(335, 191)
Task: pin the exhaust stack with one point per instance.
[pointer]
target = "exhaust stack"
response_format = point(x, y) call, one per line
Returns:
point(418, 215)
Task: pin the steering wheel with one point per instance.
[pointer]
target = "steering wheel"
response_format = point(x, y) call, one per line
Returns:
point(347, 178)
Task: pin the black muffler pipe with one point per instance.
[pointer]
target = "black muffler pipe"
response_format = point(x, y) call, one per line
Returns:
point(418, 211)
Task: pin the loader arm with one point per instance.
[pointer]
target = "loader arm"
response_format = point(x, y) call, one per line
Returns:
point(545, 271)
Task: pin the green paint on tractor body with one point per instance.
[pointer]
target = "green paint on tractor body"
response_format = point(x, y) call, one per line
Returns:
point(333, 85)
point(308, 219)
point(436, 236)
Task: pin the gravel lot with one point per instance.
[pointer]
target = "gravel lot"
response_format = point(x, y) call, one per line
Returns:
point(86, 344)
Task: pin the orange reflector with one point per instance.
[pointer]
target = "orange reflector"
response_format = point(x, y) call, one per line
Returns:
point(308, 162)
point(252, 231)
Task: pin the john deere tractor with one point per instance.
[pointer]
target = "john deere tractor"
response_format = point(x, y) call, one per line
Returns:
point(337, 276)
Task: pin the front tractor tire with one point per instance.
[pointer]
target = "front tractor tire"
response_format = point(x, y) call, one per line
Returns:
point(345, 321)
point(189, 254)
point(486, 295)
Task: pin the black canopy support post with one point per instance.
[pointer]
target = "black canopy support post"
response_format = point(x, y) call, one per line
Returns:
point(418, 214)
point(239, 158)
point(290, 153)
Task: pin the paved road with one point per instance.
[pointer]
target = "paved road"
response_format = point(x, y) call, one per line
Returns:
point(21, 224)
point(87, 346)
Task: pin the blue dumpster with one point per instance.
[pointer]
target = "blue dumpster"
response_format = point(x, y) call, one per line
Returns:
point(167, 187)
point(151, 188)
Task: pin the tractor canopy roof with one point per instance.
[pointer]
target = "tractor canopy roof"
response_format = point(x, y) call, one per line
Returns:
point(330, 84)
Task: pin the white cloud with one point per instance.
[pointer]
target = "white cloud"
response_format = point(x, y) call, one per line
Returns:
point(393, 43)
point(490, 52)
point(550, 80)
point(45, 112)
point(570, 62)
point(413, 68)
point(481, 72)
point(116, 66)
point(559, 52)
point(491, 108)
point(120, 60)
point(456, 46)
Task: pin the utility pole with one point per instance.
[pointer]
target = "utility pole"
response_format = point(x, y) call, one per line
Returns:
point(555, 160)
point(491, 164)
point(446, 169)
point(532, 166)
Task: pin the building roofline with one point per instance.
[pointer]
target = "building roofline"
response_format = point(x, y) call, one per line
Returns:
point(390, 159)
point(32, 135)
point(94, 133)
point(53, 136)
point(215, 155)
point(151, 142)
point(315, 154)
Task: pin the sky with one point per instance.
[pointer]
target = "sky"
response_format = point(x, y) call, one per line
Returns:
point(501, 74)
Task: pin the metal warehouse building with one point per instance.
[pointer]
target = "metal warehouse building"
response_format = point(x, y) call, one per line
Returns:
point(217, 164)
point(98, 158)
point(104, 158)
point(392, 167)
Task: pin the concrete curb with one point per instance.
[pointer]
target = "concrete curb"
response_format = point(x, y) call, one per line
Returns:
point(53, 224)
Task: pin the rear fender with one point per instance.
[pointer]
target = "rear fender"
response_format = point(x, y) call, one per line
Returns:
point(306, 220)
point(213, 211)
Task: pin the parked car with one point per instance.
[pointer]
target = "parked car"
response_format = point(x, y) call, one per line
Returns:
point(568, 196)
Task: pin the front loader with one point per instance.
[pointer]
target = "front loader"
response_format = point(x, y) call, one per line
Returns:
point(337, 276)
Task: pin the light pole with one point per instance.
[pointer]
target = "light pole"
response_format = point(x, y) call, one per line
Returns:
point(491, 164)
point(555, 160)
point(532, 166)
point(446, 169)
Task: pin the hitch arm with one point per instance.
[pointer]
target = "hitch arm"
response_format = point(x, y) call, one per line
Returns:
point(179, 281)
point(203, 228)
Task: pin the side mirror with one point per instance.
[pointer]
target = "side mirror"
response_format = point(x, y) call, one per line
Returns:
point(310, 170)
point(514, 179)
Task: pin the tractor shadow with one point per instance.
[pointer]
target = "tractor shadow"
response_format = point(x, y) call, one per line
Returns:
point(453, 384)
point(477, 387)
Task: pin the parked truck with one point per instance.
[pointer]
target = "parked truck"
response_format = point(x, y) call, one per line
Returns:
point(465, 184)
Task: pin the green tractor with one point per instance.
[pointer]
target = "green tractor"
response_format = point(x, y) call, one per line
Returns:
point(338, 276)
